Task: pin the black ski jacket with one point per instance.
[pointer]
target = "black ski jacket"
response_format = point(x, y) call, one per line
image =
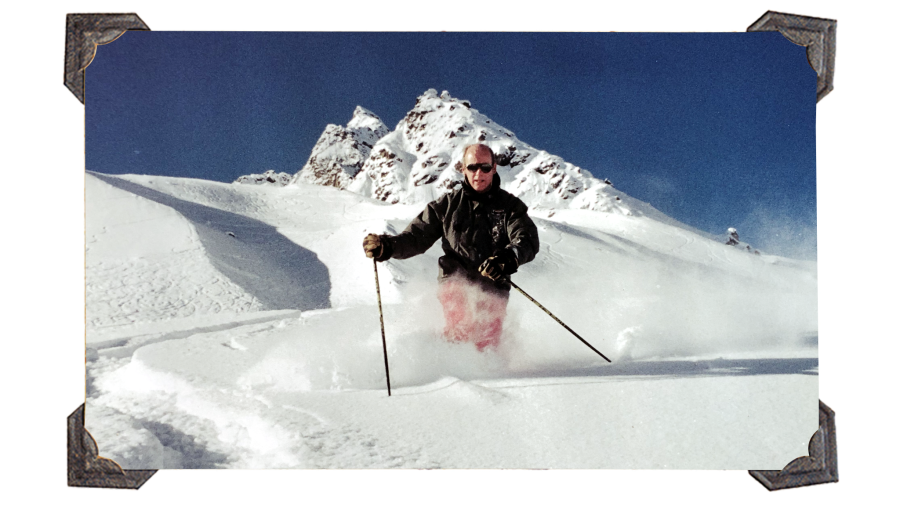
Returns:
point(472, 226)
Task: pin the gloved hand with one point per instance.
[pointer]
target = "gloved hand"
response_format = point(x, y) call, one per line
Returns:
point(503, 263)
point(377, 247)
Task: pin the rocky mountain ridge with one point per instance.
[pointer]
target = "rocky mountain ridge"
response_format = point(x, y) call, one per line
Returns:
point(269, 177)
point(417, 162)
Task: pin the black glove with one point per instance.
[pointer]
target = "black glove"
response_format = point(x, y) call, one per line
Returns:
point(503, 263)
point(377, 247)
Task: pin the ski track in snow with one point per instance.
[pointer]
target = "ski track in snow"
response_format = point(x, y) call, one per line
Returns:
point(168, 420)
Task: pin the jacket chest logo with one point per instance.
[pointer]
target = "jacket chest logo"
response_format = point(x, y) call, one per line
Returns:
point(498, 225)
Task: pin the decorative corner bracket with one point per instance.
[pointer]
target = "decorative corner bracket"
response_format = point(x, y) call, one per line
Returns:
point(84, 32)
point(817, 35)
point(88, 469)
point(819, 467)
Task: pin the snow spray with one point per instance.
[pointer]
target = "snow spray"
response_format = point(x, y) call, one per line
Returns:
point(538, 304)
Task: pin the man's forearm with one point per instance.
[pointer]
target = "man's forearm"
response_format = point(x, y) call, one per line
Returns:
point(408, 245)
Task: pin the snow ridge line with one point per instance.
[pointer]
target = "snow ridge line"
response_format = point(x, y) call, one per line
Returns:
point(125, 347)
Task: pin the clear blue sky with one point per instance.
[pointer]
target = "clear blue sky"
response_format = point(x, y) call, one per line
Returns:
point(715, 130)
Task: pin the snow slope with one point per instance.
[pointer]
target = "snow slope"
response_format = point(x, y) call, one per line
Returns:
point(260, 344)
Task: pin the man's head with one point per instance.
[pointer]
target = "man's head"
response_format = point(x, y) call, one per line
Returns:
point(477, 158)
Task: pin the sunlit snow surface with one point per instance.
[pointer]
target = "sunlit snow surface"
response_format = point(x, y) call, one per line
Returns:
point(237, 326)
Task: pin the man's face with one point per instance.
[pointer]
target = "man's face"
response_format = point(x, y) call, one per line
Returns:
point(478, 179)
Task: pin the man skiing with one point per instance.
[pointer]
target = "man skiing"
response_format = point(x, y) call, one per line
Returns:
point(486, 235)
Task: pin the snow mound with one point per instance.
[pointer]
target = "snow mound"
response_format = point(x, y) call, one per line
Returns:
point(154, 256)
point(146, 262)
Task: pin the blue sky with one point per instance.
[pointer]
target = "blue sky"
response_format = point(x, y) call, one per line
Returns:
point(715, 130)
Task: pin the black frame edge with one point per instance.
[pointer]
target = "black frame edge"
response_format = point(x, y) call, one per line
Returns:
point(817, 468)
point(818, 35)
point(84, 32)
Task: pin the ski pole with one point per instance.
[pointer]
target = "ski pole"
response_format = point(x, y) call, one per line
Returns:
point(387, 370)
point(557, 319)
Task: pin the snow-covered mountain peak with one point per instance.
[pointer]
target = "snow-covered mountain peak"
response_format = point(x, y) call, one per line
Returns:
point(367, 126)
point(341, 152)
point(416, 162)
point(441, 122)
point(361, 113)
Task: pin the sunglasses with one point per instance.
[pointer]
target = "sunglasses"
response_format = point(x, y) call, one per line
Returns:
point(485, 167)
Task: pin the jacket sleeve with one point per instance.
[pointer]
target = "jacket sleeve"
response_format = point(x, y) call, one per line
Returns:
point(421, 233)
point(523, 234)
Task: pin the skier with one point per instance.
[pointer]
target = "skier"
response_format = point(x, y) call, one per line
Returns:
point(486, 235)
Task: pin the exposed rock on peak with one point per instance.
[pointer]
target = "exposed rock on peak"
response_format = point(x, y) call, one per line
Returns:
point(733, 239)
point(269, 177)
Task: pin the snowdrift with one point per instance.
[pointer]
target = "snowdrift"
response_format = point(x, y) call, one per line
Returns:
point(236, 326)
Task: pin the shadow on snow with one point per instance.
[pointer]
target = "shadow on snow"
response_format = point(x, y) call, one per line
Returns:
point(690, 368)
point(183, 451)
point(278, 272)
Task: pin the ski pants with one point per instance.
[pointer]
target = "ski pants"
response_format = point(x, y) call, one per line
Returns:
point(473, 311)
